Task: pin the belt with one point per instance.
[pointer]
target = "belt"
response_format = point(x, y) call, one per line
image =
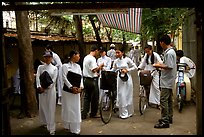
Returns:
point(94, 78)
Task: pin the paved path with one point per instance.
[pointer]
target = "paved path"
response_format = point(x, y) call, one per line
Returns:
point(183, 123)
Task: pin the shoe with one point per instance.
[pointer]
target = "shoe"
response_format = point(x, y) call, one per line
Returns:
point(170, 121)
point(161, 125)
point(73, 133)
point(158, 107)
point(67, 130)
point(83, 117)
point(52, 133)
point(123, 117)
point(59, 101)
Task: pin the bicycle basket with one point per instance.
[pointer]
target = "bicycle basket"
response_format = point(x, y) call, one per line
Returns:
point(108, 80)
point(145, 77)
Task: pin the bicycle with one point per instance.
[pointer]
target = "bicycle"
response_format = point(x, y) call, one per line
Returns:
point(145, 82)
point(108, 99)
point(181, 87)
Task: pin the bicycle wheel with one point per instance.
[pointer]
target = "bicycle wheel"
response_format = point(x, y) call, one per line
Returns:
point(82, 99)
point(143, 102)
point(180, 103)
point(106, 107)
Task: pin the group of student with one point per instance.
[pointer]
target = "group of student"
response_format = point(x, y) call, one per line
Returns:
point(89, 83)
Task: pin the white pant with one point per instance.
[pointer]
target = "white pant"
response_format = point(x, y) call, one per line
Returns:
point(73, 127)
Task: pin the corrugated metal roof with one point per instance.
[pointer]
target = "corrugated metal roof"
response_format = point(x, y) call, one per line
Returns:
point(130, 21)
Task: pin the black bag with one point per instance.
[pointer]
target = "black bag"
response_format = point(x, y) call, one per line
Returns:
point(45, 80)
point(108, 80)
point(145, 78)
point(74, 79)
point(123, 77)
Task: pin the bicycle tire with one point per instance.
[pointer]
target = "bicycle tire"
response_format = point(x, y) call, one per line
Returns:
point(142, 101)
point(106, 106)
point(180, 104)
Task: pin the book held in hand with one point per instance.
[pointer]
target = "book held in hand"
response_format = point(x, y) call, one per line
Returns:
point(74, 79)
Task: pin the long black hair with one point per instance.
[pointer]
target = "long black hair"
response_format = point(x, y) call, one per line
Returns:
point(122, 49)
point(72, 53)
point(152, 57)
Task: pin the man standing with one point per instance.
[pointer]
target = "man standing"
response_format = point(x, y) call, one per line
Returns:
point(111, 53)
point(91, 90)
point(167, 80)
point(136, 55)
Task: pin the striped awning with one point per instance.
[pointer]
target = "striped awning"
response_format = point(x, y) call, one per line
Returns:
point(130, 21)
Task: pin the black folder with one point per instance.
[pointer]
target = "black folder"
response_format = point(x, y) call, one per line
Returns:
point(45, 80)
point(74, 79)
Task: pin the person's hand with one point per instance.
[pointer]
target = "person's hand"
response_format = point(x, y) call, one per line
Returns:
point(101, 66)
point(40, 90)
point(74, 90)
point(156, 65)
point(124, 70)
point(79, 90)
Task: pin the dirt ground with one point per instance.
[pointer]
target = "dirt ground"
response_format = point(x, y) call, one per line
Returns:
point(184, 123)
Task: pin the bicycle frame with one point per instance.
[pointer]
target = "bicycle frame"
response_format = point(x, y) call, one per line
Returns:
point(143, 96)
point(107, 102)
point(181, 86)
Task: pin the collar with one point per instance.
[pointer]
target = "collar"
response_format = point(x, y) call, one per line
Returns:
point(168, 49)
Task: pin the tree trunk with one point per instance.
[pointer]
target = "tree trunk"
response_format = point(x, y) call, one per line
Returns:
point(28, 96)
point(95, 30)
point(109, 34)
point(79, 33)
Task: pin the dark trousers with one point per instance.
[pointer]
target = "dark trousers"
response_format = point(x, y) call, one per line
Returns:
point(166, 104)
point(91, 96)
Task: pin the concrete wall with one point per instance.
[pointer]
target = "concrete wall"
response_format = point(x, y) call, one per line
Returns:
point(189, 45)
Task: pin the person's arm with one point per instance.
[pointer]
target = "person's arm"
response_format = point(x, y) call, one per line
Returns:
point(38, 85)
point(143, 63)
point(57, 59)
point(108, 64)
point(98, 68)
point(64, 76)
point(168, 64)
point(160, 66)
point(54, 78)
point(158, 58)
point(38, 76)
point(131, 64)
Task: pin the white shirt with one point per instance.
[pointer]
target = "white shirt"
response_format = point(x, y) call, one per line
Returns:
point(145, 66)
point(89, 63)
point(71, 104)
point(190, 64)
point(47, 99)
point(73, 67)
point(111, 53)
point(106, 60)
point(56, 60)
